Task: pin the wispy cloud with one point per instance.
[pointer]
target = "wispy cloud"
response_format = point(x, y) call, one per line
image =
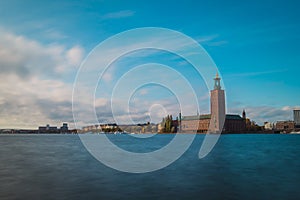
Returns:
point(211, 40)
point(257, 73)
point(207, 38)
point(119, 14)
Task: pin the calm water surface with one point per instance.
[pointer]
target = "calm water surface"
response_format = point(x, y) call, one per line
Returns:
point(239, 167)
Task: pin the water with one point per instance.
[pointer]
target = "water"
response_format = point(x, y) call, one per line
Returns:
point(239, 167)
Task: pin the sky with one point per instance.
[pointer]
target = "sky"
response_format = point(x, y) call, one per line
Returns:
point(254, 45)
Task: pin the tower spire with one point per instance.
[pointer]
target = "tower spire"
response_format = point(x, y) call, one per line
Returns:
point(217, 82)
point(244, 114)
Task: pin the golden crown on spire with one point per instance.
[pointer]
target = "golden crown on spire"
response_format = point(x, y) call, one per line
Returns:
point(217, 82)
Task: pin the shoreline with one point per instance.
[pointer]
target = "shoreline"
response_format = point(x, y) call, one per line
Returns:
point(249, 133)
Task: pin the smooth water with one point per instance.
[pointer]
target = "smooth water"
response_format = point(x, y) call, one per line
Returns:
point(247, 166)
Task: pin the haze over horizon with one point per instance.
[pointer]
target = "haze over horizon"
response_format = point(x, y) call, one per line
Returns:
point(254, 44)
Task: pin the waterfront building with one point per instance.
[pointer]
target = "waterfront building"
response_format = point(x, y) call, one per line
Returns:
point(297, 118)
point(47, 129)
point(85, 128)
point(234, 124)
point(199, 123)
point(53, 129)
point(140, 128)
point(286, 126)
point(109, 126)
point(64, 128)
point(216, 122)
point(268, 126)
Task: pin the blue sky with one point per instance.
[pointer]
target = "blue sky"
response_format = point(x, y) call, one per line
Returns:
point(255, 45)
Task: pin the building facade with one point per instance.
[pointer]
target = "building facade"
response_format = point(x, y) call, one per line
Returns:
point(197, 123)
point(286, 126)
point(268, 126)
point(48, 129)
point(297, 118)
point(64, 128)
point(217, 107)
point(234, 124)
point(217, 121)
point(53, 129)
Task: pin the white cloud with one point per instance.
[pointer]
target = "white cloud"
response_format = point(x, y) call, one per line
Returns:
point(75, 55)
point(33, 91)
point(24, 56)
point(101, 102)
point(286, 108)
point(33, 101)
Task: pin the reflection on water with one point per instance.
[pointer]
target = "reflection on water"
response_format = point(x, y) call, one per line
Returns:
point(239, 167)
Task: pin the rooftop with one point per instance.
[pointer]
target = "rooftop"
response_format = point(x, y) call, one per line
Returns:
point(196, 117)
point(208, 116)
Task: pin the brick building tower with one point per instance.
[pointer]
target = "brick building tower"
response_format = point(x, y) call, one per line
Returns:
point(217, 107)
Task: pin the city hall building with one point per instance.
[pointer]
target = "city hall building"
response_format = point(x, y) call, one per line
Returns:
point(216, 122)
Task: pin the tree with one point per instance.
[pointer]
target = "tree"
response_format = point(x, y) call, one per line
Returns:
point(167, 125)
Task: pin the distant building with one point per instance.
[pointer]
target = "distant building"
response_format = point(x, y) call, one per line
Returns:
point(196, 123)
point(64, 128)
point(53, 129)
point(109, 126)
point(297, 118)
point(234, 124)
point(112, 127)
point(140, 128)
point(286, 126)
point(47, 129)
point(86, 128)
point(217, 121)
point(268, 126)
point(200, 124)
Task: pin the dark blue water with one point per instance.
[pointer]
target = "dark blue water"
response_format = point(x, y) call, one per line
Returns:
point(239, 167)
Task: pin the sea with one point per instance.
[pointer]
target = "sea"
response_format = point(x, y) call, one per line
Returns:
point(240, 166)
